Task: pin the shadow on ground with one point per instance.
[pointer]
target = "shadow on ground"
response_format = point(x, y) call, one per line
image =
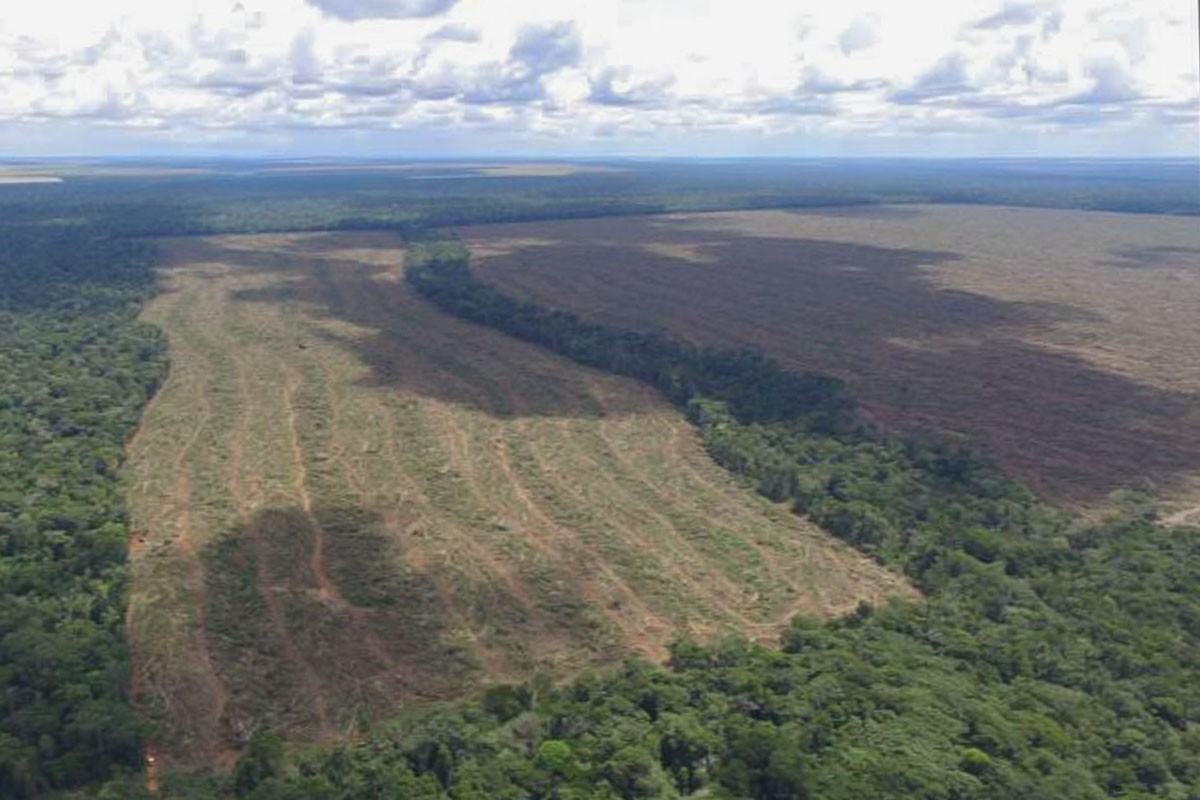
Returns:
point(313, 648)
point(321, 640)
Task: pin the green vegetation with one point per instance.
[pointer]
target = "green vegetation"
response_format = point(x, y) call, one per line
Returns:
point(75, 371)
point(238, 196)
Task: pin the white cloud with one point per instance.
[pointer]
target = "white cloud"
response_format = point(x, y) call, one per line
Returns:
point(383, 9)
point(860, 34)
point(622, 75)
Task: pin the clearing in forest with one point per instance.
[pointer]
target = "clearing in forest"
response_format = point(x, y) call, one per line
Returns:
point(1063, 342)
point(345, 500)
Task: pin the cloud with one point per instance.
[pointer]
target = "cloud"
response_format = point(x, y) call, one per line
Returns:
point(353, 10)
point(578, 73)
point(487, 87)
point(815, 95)
point(1075, 116)
point(1052, 23)
point(537, 52)
point(816, 81)
point(612, 86)
point(1112, 82)
point(156, 48)
point(366, 77)
point(380, 87)
point(95, 53)
point(861, 34)
point(454, 32)
point(1012, 15)
point(546, 48)
point(796, 104)
point(239, 84)
point(306, 67)
point(945, 78)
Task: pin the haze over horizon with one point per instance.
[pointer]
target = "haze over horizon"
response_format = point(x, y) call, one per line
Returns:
point(637, 78)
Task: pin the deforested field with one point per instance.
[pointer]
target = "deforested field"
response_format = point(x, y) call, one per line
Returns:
point(345, 501)
point(1062, 342)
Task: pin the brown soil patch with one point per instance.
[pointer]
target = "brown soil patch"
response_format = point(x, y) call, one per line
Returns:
point(1063, 342)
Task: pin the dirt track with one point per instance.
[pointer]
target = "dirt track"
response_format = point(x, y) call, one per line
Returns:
point(350, 500)
point(1189, 516)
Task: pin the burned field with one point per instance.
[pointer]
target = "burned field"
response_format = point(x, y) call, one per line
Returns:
point(345, 501)
point(1062, 342)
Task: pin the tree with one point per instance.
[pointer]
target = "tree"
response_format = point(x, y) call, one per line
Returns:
point(686, 749)
point(634, 773)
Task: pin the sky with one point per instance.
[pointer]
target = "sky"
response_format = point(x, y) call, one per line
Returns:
point(447, 78)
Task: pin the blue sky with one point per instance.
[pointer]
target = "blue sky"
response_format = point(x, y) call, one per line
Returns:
point(622, 77)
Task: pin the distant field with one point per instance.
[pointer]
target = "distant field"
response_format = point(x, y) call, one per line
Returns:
point(345, 500)
point(1065, 342)
point(12, 178)
point(56, 171)
point(450, 169)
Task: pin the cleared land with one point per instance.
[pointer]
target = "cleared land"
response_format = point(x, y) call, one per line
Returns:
point(1064, 342)
point(10, 178)
point(465, 169)
point(346, 500)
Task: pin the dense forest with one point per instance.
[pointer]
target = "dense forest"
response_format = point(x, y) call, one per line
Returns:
point(75, 372)
point(1051, 657)
point(232, 196)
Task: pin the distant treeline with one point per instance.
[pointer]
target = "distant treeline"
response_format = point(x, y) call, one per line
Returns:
point(236, 199)
point(75, 371)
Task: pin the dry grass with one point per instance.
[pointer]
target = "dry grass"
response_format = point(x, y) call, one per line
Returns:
point(11, 178)
point(530, 170)
point(347, 500)
point(1065, 342)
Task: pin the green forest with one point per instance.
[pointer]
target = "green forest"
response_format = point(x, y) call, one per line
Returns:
point(1052, 655)
point(75, 371)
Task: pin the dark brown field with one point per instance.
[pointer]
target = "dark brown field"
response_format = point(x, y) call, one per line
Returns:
point(1066, 343)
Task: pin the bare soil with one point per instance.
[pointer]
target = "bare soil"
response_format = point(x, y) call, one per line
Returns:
point(348, 501)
